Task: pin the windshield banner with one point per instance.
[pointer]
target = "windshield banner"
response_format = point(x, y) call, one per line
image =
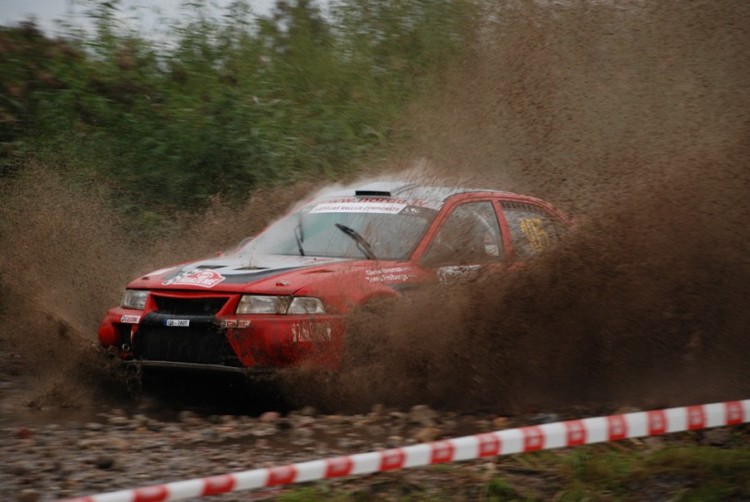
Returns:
point(346, 206)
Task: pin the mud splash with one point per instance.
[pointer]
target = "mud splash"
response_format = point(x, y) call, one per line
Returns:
point(643, 306)
point(634, 117)
point(65, 258)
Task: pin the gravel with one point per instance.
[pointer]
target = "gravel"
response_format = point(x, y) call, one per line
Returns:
point(120, 450)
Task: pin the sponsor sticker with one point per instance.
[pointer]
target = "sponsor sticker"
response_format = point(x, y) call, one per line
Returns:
point(535, 232)
point(204, 278)
point(393, 274)
point(346, 206)
point(457, 273)
point(310, 332)
point(178, 323)
point(130, 319)
point(234, 323)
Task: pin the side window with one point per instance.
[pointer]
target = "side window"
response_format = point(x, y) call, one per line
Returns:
point(532, 229)
point(470, 235)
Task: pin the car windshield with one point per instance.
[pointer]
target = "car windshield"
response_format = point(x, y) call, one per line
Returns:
point(346, 228)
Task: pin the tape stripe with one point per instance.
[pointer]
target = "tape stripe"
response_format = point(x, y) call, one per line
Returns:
point(218, 484)
point(442, 452)
point(576, 433)
point(534, 438)
point(525, 439)
point(338, 467)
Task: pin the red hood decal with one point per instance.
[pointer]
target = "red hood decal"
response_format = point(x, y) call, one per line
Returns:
point(204, 278)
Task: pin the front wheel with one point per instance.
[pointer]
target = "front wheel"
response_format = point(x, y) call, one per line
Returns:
point(364, 333)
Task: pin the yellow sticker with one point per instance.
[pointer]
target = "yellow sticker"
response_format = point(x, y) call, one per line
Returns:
point(533, 229)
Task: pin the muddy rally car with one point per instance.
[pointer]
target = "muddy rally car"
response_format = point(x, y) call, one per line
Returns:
point(281, 298)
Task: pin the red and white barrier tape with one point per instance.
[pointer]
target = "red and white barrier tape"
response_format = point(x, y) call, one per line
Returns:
point(523, 439)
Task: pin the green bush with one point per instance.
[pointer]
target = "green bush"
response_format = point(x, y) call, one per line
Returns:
point(225, 103)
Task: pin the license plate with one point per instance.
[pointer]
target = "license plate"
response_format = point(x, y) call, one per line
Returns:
point(178, 323)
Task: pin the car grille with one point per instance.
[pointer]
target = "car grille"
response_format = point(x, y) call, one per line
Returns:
point(189, 306)
point(202, 344)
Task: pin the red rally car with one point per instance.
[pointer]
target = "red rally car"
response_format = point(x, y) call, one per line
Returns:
point(281, 297)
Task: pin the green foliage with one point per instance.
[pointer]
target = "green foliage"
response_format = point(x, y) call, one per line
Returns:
point(222, 104)
point(309, 493)
point(695, 472)
point(499, 489)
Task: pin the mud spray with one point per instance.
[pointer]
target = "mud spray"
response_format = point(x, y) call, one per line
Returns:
point(66, 257)
point(634, 117)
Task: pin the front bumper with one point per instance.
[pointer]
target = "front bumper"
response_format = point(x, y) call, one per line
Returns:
point(141, 364)
point(223, 343)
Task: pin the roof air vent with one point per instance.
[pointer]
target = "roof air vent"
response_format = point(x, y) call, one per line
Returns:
point(382, 189)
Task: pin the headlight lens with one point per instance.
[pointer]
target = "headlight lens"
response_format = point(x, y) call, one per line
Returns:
point(257, 304)
point(262, 304)
point(134, 299)
point(306, 305)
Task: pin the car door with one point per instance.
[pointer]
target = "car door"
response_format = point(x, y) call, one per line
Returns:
point(467, 241)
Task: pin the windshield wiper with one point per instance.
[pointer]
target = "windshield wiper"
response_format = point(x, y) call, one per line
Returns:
point(362, 243)
point(299, 237)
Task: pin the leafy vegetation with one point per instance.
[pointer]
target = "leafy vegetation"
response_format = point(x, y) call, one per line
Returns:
point(220, 104)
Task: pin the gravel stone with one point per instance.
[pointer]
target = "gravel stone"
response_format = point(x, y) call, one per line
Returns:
point(269, 417)
point(118, 421)
point(423, 415)
point(721, 436)
point(104, 462)
point(428, 434)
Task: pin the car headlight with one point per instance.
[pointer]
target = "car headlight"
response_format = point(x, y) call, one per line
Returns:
point(306, 305)
point(263, 304)
point(134, 299)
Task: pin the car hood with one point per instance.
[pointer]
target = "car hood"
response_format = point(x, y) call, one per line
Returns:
point(235, 272)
